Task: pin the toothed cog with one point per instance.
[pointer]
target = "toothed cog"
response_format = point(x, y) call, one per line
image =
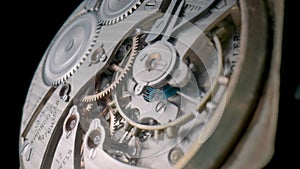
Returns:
point(113, 11)
point(121, 71)
point(140, 84)
point(70, 48)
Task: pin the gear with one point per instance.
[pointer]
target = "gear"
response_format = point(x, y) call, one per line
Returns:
point(70, 48)
point(113, 121)
point(121, 72)
point(166, 88)
point(113, 118)
point(113, 11)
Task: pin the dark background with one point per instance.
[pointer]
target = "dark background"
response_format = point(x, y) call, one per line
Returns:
point(34, 24)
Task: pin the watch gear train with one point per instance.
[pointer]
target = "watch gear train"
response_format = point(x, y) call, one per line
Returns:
point(147, 84)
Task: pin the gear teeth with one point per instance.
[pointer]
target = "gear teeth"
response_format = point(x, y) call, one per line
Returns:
point(126, 14)
point(113, 118)
point(105, 92)
point(113, 121)
point(66, 76)
point(121, 16)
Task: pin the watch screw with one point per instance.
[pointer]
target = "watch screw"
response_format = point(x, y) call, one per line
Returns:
point(64, 92)
point(175, 155)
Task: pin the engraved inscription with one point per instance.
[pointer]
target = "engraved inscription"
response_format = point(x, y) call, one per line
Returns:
point(234, 55)
point(236, 52)
point(62, 159)
point(44, 124)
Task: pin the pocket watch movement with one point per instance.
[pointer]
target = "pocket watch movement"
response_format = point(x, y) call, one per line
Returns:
point(154, 84)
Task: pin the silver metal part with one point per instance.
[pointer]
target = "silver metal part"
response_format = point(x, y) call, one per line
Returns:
point(163, 24)
point(64, 154)
point(121, 71)
point(70, 48)
point(92, 4)
point(154, 63)
point(142, 92)
point(113, 11)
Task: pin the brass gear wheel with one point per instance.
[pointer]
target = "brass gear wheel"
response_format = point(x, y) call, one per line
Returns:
point(121, 72)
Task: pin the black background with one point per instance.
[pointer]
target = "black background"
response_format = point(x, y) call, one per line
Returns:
point(32, 25)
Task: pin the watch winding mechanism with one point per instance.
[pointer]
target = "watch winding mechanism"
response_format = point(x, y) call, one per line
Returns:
point(113, 11)
point(70, 47)
point(153, 91)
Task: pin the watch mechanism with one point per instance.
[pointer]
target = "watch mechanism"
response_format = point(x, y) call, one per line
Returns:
point(131, 84)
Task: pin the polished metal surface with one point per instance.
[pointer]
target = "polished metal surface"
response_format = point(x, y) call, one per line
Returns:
point(147, 84)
